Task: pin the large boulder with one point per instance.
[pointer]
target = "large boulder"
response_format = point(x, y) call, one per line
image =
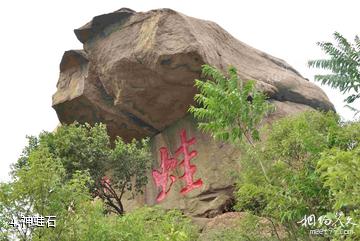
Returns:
point(137, 70)
point(216, 163)
point(136, 74)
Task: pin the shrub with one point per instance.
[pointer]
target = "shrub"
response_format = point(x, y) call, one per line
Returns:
point(313, 164)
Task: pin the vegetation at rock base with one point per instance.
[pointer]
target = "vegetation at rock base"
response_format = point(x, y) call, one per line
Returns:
point(56, 176)
point(310, 164)
point(344, 64)
point(313, 163)
point(85, 148)
point(249, 227)
point(309, 178)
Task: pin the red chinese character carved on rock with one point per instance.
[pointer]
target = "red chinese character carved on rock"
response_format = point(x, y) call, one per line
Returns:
point(161, 178)
point(168, 164)
point(189, 169)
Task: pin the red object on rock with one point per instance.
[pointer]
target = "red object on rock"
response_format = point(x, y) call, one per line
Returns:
point(168, 164)
point(189, 169)
point(161, 178)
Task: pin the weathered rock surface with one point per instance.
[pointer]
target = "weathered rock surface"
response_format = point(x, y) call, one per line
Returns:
point(137, 70)
point(216, 164)
point(136, 75)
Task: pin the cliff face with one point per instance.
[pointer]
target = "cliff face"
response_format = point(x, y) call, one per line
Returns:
point(136, 74)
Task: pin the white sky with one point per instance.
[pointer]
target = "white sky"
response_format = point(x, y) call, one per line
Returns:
point(36, 33)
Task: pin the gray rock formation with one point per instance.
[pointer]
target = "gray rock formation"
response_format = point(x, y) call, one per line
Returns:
point(136, 74)
point(137, 70)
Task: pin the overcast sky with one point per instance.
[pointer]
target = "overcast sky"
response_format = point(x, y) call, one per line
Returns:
point(36, 33)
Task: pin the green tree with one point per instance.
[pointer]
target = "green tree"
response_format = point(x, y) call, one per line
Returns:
point(128, 165)
point(113, 170)
point(310, 160)
point(42, 188)
point(248, 227)
point(302, 156)
point(79, 147)
point(344, 63)
point(46, 183)
point(156, 224)
point(339, 169)
point(228, 108)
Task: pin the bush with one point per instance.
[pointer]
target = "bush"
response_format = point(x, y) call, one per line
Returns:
point(250, 227)
point(87, 148)
point(61, 173)
point(147, 224)
point(313, 164)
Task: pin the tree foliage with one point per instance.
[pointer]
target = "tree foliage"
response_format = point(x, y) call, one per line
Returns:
point(144, 224)
point(344, 64)
point(80, 147)
point(312, 161)
point(127, 164)
point(59, 173)
point(229, 108)
point(155, 224)
point(248, 227)
point(339, 169)
point(87, 148)
point(41, 189)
